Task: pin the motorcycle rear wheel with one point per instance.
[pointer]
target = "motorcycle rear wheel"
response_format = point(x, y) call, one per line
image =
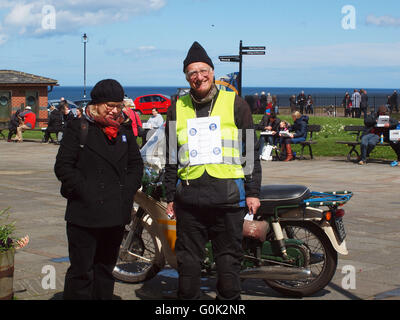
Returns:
point(322, 262)
point(140, 259)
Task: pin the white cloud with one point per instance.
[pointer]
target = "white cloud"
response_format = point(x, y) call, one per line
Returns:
point(383, 21)
point(147, 48)
point(26, 18)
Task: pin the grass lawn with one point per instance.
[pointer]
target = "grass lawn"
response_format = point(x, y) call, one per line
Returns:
point(331, 131)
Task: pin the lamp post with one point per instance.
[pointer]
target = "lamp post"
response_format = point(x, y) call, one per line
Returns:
point(85, 40)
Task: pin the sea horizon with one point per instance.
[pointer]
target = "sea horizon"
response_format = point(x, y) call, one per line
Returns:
point(75, 92)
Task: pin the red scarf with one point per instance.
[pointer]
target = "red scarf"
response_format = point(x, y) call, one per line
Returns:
point(109, 124)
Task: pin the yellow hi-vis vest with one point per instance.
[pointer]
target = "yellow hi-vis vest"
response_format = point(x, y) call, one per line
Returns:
point(231, 167)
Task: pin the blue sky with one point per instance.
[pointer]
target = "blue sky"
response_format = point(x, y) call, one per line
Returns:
point(143, 42)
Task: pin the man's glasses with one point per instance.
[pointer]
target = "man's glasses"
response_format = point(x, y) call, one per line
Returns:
point(195, 73)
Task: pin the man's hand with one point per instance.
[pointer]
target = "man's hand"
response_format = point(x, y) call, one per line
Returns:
point(171, 210)
point(253, 204)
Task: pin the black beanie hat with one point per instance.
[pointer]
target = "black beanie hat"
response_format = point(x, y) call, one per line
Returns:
point(107, 90)
point(197, 54)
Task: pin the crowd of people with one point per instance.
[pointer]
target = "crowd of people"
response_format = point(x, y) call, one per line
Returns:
point(356, 104)
point(259, 104)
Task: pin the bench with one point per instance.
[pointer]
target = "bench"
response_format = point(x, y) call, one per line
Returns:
point(356, 130)
point(4, 126)
point(308, 143)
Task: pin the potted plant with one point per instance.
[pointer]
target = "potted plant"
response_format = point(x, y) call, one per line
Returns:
point(8, 244)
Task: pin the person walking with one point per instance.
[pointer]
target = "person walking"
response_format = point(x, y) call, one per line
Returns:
point(356, 100)
point(346, 103)
point(208, 198)
point(302, 101)
point(15, 121)
point(394, 101)
point(100, 169)
point(364, 103)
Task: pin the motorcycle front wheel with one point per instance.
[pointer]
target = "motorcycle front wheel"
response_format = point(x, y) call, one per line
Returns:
point(139, 257)
point(322, 260)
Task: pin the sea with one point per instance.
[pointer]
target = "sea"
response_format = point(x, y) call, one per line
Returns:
point(321, 96)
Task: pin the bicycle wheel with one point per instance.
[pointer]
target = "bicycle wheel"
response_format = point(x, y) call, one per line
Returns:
point(139, 257)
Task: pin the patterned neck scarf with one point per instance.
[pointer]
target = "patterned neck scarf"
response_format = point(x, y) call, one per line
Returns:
point(109, 124)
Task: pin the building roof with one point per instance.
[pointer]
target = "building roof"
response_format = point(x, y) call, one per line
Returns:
point(18, 77)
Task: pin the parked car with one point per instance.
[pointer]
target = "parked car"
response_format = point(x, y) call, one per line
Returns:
point(56, 102)
point(144, 104)
point(179, 93)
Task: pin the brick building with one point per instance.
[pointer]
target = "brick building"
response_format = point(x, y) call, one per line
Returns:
point(20, 89)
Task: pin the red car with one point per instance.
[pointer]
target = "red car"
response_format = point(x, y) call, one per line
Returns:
point(144, 104)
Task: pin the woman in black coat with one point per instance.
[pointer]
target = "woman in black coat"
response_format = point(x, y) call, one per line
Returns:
point(54, 124)
point(100, 169)
point(13, 124)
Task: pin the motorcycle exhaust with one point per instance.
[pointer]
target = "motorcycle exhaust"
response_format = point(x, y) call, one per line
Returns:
point(275, 273)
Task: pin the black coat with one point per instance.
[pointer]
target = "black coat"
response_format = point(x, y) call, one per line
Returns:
point(265, 122)
point(100, 179)
point(364, 101)
point(370, 126)
point(55, 122)
point(300, 127)
point(14, 121)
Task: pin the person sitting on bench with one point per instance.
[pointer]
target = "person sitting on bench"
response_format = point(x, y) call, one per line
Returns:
point(372, 133)
point(54, 124)
point(300, 128)
point(28, 124)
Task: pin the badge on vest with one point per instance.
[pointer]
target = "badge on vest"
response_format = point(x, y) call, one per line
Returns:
point(124, 138)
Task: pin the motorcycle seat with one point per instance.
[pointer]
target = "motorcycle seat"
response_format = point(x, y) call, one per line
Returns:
point(272, 196)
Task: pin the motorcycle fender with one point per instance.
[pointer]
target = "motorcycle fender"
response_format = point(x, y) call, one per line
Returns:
point(340, 248)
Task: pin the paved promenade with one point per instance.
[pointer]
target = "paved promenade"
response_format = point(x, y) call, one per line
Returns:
point(28, 185)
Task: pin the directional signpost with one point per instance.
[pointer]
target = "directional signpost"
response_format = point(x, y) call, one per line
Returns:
point(229, 58)
point(250, 51)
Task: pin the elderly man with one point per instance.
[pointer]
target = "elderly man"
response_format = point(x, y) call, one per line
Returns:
point(28, 124)
point(206, 195)
point(372, 133)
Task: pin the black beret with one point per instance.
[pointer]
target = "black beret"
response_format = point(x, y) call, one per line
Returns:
point(197, 53)
point(107, 90)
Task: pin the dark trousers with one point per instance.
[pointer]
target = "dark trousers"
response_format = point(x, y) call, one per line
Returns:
point(93, 253)
point(11, 132)
point(368, 143)
point(224, 228)
point(396, 148)
point(47, 133)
